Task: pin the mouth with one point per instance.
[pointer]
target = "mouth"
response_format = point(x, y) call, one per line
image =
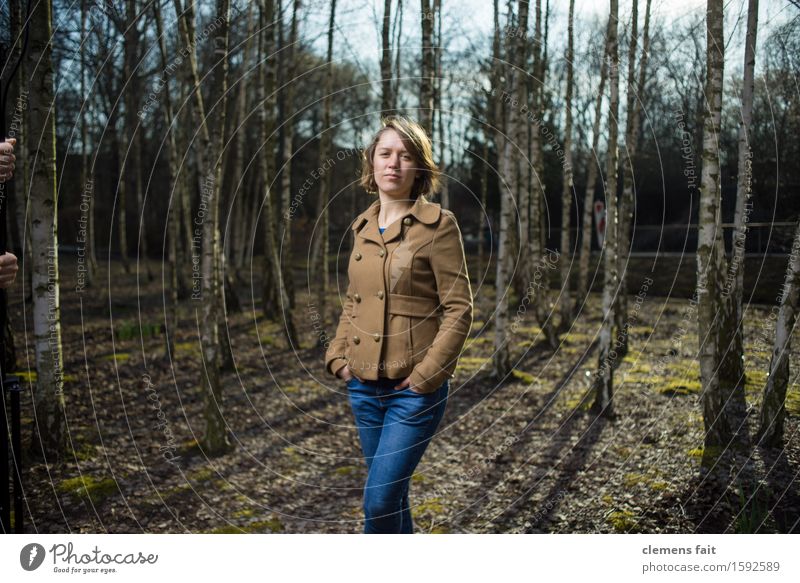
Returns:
point(392, 176)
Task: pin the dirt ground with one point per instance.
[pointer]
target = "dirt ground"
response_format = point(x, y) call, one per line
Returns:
point(525, 455)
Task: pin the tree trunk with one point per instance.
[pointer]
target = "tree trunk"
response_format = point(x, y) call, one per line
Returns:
point(444, 196)
point(48, 439)
point(87, 183)
point(501, 358)
point(604, 377)
point(567, 185)
point(582, 289)
point(319, 272)
point(286, 170)
point(634, 98)
point(274, 290)
point(215, 441)
point(426, 75)
point(773, 406)
point(172, 185)
point(710, 259)
point(732, 373)
point(538, 263)
point(387, 99)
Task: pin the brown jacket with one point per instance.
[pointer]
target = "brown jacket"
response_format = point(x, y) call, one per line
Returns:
point(408, 309)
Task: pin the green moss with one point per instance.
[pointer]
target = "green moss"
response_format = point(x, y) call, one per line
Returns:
point(640, 330)
point(530, 330)
point(578, 338)
point(640, 368)
point(118, 357)
point(703, 453)
point(477, 324)
point(85, 452)
point(431, 506)
point(523, 376)
point(89, 488)
point(440, 530)
point(419, 478)
point(659, 486)
point(26, 375)
point(755, 381)
point(793, 402)
point(295, 458)
point(679, 387)
point(631, 480)
point(472, 362)
point(183, 347)
point(244, 513)
point(134, 329)
point(623, 521)
point(202, 475)
point(260, 526)
point(346, 470)
point(271, 525)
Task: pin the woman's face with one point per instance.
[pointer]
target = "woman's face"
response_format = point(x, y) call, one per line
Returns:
point(395, 168)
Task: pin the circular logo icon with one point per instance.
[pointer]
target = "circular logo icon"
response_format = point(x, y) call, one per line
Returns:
point(31, 556)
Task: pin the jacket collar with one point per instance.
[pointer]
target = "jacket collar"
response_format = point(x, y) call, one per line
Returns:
point(422, 210)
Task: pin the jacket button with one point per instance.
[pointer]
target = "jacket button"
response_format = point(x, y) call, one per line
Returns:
point(380, 295)
point(357, 298)
point(357, 256)
point(376, 337)
point(381, 252)
point(356, 339)
point(407, 221)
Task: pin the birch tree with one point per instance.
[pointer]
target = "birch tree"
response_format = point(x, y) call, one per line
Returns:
point(387, 94)
point(173, 222)
point(287, 152)
point(582, 288)
point(501, 357)
point(566, 185)
point(710, 254)
point(274, 289)
point(732, 370)
point(426, 104)
point(537, 261)
point(773, 404)
point(215, 440)
point(604, 377)
point(89, 243)
point(320, 254)
point(48, 399)
point(634, 98)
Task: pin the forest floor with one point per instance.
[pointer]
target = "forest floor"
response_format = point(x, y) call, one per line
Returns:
point(526, 455)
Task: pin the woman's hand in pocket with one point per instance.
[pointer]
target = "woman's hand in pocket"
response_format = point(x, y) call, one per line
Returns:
point(346, 375)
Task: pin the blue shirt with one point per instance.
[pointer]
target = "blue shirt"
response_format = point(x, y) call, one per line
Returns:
point(381, 229)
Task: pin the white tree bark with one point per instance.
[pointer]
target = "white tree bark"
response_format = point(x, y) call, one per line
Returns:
point(773, 406)
point(603, 381)
point(709, 256)
point(48, 440)
point(732, 370)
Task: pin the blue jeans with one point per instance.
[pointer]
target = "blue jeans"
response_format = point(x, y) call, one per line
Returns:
point(395, 427)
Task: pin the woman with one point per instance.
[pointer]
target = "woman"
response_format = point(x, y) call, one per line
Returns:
point(407, 314)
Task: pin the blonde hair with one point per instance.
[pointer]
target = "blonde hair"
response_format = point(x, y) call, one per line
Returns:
point(419, 147)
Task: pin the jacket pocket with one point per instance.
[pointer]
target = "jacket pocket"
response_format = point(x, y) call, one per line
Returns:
point(423, 331)
point(419, 317)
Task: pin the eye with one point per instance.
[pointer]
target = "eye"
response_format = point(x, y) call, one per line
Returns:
point(406, 157)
